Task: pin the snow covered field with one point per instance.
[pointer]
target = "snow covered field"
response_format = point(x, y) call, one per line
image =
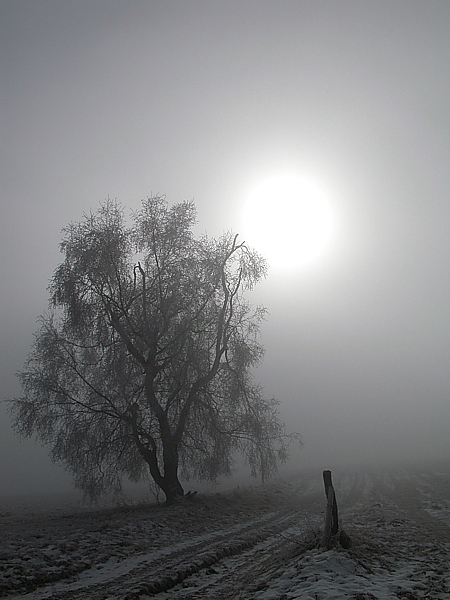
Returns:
point(260, 543)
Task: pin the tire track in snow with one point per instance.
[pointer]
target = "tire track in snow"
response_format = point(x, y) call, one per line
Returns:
point(164, 569)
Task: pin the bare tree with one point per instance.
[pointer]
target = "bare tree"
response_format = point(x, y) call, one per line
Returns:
point(143, 361)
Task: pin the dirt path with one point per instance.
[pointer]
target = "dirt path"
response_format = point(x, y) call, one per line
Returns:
point(258, 543)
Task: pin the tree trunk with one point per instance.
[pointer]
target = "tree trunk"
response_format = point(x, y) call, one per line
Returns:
point(170, 483)
point(167, 482)
point(172, 488)
point(167, 477)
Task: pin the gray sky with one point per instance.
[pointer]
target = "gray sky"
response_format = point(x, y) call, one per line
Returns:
point(204, 99)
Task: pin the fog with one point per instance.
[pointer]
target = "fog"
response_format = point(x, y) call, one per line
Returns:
point(204, 99)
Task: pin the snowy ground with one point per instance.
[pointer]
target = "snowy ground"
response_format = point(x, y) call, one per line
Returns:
point(256, 543)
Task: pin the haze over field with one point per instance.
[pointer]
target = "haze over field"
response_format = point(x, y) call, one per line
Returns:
point(206, 100)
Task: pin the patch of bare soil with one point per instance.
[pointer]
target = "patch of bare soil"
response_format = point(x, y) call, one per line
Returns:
point(256, 543)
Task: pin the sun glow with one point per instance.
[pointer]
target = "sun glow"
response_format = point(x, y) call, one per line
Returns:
point(288, 220)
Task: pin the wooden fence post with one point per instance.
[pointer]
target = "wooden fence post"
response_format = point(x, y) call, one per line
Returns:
point(331, 516)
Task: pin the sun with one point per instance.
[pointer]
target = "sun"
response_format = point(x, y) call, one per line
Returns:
point(288, 220)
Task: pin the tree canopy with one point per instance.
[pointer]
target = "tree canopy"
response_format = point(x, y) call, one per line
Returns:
point(143, 362)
